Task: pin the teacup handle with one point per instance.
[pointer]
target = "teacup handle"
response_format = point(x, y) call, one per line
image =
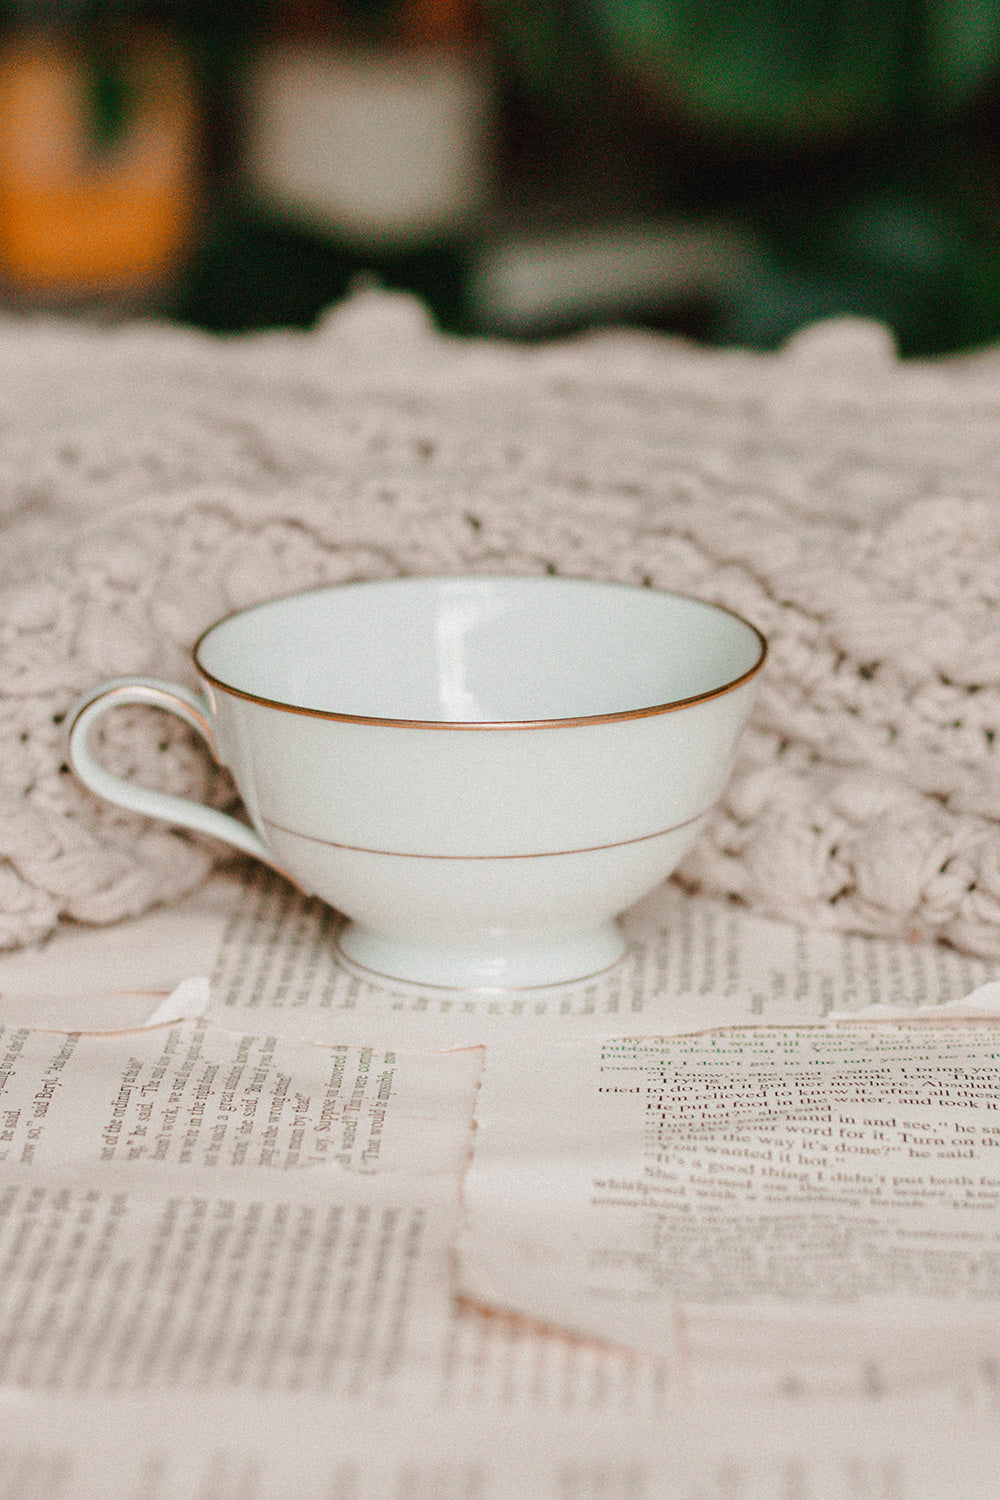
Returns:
point(194, 710)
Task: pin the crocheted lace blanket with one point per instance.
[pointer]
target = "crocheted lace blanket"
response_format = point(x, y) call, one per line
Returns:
point(153, 479)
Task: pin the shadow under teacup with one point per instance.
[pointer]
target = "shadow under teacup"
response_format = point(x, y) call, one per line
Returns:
point(481, 773)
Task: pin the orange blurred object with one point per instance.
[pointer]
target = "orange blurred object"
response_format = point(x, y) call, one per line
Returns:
point(81, 216)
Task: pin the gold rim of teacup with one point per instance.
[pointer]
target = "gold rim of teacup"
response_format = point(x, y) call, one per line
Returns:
point(671, 706)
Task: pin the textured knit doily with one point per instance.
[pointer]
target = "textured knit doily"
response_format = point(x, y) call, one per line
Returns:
point(846, 502)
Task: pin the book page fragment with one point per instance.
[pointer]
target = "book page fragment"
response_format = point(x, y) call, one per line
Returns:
point(270, 956)
point(806, 1202)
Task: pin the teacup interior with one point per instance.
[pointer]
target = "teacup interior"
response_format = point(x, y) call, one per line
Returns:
point(490, 649)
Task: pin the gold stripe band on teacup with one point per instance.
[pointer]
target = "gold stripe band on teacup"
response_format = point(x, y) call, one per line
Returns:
point(642, 838)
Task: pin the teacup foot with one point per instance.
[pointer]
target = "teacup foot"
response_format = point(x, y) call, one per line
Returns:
point(566, 960)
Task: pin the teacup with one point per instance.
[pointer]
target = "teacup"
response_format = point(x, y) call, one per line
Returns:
point(481, 773)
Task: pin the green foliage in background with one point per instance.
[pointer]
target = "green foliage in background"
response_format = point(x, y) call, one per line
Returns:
point(769, 69)
point(803, 70)
point(855, 139)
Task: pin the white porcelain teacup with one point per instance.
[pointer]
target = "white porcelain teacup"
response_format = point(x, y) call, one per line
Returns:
point(481, 773)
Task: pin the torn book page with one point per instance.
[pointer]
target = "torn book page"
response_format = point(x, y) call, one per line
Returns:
point(300, 1445)
point(693, 963)
point(195, 1095)
point(806, 1201)
point(116, 978)
point(105, 1012)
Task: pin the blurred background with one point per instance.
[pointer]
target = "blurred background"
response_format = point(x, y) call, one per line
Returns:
point(725, 169)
